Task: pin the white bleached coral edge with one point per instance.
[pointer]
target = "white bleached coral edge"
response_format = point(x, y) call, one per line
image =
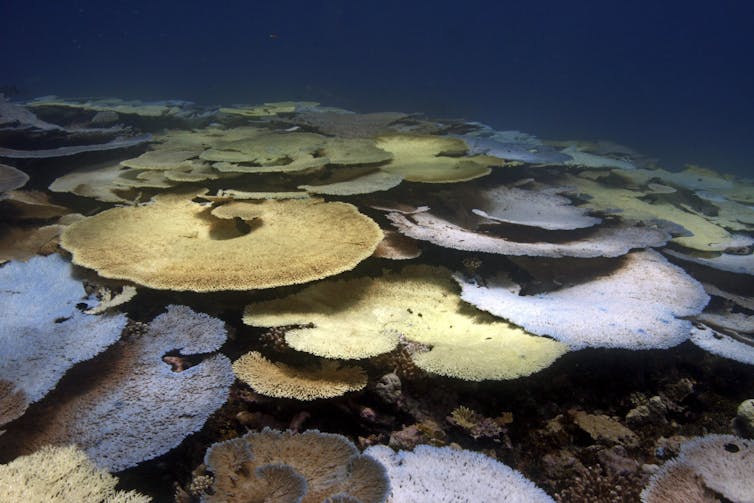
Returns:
point(722, 345)
point(640, 305)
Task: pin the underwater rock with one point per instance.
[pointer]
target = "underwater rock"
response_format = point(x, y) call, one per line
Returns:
point(615, 461)
point(562, 464)
point(653, 412)
point(595, 485)
point(388, 388)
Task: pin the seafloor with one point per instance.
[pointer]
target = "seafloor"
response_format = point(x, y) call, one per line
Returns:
point(191, 296)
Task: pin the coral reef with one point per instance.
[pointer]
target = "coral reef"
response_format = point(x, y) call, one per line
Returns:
point(310, 235)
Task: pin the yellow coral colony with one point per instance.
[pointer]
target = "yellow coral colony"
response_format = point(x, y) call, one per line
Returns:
point(706, 235)
point(60, 474)
point(177, 244)
point(364, 317)
point(433, 159)
point(282, 381)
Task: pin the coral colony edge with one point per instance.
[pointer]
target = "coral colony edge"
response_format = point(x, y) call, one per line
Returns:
point(290, 302)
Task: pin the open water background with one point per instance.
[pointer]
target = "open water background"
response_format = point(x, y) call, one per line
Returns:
point(673, 79)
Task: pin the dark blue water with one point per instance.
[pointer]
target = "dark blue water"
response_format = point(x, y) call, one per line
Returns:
point(672, 79)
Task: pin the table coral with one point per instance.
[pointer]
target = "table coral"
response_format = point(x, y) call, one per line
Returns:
point(364, 317)
point(177, 244)
point(329, 379)
point(60, 475)
point(138, 408)
point(641, 304)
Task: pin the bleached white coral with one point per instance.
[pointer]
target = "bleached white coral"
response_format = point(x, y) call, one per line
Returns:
point(43, 333)
point(640, 305)
point(445, 475)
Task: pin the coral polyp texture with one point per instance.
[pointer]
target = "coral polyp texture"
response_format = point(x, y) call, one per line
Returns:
point(326, 380)
point(60, 475)
point(177, 244)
